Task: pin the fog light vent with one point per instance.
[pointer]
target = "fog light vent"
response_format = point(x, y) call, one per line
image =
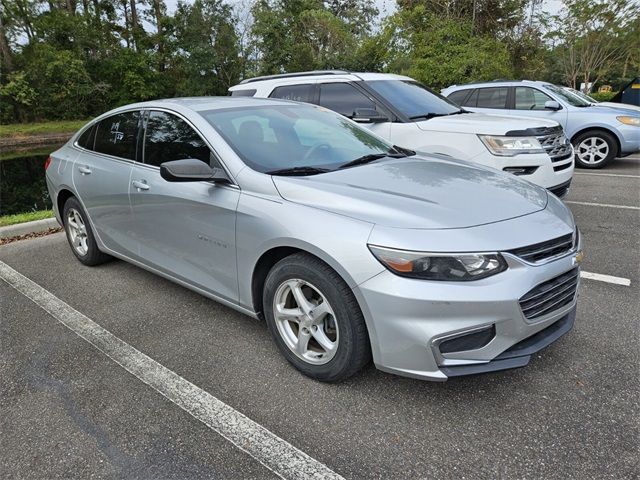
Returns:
point(470, 341)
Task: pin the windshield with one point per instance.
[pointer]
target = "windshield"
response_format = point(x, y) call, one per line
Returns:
point(568, 97)
point(582, 95)
point(275, 137)
point(413, 99)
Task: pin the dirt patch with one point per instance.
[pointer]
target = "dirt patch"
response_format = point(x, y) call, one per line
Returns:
point(4, 241)
point(33, 140)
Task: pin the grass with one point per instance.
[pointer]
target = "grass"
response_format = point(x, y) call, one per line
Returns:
point(40, 128)
point(24, 217)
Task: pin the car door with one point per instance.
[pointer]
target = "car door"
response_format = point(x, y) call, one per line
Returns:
point(530, 102)
point(186, 230)
point(101, 175)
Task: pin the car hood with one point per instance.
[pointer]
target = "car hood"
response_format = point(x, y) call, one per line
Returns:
point(481, 123)
point(417, 192)
point(619, 107)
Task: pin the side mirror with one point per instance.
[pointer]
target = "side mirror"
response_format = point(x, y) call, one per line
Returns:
point(552, 105)
point(368, 115)
point(191, 170)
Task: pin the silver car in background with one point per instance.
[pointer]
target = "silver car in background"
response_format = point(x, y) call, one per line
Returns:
point(348, 247)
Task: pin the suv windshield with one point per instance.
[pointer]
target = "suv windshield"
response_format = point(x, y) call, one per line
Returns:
point(568, 97)
point(300, 138)
point(580, 94)
point(413, 99)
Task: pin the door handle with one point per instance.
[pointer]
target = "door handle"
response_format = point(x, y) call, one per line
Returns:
point(140, 184)
point(84, 170)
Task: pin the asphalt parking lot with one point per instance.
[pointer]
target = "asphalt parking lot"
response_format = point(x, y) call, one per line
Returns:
point(69, 410)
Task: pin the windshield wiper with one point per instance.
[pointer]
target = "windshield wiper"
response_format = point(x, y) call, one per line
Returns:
point(459, 112)
point(427, 116)
point(372, 157)
point(298, 171)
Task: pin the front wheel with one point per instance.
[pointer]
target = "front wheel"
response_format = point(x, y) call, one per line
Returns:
point(314, 319)
point(595, 149)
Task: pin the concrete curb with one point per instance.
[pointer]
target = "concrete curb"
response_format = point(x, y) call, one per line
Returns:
point(26, 228)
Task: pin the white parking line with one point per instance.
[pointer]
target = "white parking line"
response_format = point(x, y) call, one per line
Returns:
point(606, 278)
point(607, 175)
point(273, 452)
point(608, 205)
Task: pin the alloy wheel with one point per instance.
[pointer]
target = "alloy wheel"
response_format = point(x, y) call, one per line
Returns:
point(592, 150)
point(305, 321)
point(77, 231)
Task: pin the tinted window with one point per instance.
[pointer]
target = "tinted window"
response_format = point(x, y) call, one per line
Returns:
point(459, 96)
point(530, 99)
point(492, 97)
point(168, 138)
point(87, 137)
point(243, 93)
point(282, 136)
point(343, 98)
point(412, 99)
point(472, 100)
point(299, 93)
point(117, 135)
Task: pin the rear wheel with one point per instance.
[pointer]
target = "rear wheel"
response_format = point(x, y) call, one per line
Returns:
point(79, 234)
point(595, 149)
point(314, 319)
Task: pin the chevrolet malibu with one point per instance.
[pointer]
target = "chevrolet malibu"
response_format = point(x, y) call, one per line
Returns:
point(350, 248)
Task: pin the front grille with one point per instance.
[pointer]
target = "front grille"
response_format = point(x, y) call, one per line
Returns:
point(555, 143)
point(545, 250)
point(550, 295)
point(561, 190)
point(564, 166)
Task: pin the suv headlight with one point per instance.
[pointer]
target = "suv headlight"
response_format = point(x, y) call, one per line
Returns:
point(510, 146)
point(635, 121)
point(454, 267)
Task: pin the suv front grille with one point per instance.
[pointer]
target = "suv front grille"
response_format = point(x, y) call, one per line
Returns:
point(555, 143)
point(550, 295)
point(545, 250)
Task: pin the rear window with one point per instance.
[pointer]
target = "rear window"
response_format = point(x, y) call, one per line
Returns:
point(459, 96)
point(87, 138)
point(117, 135)
point(298, 93)
point(243, 93)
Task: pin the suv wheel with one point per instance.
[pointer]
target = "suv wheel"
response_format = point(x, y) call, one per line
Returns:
point(79, 234)
point(595, 149)
point(314, 319)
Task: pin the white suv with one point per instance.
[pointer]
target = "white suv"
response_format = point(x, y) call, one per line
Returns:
point(411, 115)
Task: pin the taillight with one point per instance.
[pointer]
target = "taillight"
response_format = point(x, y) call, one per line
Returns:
point(47, 162)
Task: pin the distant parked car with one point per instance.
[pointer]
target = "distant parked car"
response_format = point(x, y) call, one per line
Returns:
point(597, 103)
point(408, 114)
point(598, 134)
point(347, 246)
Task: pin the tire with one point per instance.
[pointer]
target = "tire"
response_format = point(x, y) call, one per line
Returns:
point(79, 234)
point(595, 149)
point(340, 324)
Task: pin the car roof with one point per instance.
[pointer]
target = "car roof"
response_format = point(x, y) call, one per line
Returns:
point(200, 104)
point(316, 75)
point(497, 83)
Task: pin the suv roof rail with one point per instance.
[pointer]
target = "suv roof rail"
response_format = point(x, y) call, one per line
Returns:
point(298, 74)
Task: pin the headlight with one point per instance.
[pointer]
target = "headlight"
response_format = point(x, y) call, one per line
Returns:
point(456, 267)
point(510, 146)
point(635, 121)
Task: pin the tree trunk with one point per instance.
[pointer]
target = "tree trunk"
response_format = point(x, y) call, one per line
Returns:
point(5, 50)
point(157, 9)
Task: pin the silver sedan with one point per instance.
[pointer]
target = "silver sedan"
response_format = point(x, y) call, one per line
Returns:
point(348, 247)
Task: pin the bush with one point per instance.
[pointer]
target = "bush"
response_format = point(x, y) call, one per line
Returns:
point(603, 96)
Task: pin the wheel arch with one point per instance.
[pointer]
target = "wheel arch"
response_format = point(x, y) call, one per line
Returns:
point(599, 129)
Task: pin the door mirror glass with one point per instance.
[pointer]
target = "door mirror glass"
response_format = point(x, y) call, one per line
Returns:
point(191, 170)
point(368, 115)
point(552, 105)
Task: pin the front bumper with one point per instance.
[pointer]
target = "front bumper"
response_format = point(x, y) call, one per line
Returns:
point(408, 319)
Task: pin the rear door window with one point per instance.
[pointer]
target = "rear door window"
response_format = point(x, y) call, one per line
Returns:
point(168, 137)
point(492, 97)
point(298, 93)
point(87, 138)
point(117, 135)
point(343, 98)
